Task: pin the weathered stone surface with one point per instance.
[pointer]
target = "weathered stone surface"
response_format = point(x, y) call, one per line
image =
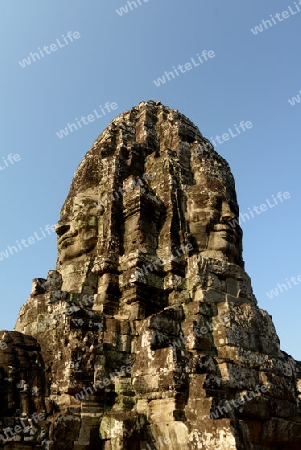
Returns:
point(147, 334)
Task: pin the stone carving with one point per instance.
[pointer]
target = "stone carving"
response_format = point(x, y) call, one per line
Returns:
point(171, 351)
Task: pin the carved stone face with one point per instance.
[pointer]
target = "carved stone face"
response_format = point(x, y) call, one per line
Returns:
point(211, 207)
point(77, 231)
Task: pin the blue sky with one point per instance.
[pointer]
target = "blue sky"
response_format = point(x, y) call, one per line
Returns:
point(116, 59)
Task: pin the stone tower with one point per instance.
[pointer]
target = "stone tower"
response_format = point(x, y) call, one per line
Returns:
point(147, 334)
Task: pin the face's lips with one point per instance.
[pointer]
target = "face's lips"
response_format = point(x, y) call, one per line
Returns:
point(65, 236)
point(225, 231)
point(223, 227)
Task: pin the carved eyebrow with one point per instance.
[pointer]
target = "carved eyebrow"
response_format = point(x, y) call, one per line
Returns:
point(85, 203)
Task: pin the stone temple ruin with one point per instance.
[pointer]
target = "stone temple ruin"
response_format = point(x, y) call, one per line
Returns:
point(147, 334)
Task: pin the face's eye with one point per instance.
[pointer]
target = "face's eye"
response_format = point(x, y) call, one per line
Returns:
point(216, 203)
point(76, 207)
point(84, 206)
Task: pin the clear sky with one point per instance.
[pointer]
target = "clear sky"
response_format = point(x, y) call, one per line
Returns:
point(115, 57)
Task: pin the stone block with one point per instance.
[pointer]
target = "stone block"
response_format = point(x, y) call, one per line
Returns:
point(232, 287)
point(213, 296)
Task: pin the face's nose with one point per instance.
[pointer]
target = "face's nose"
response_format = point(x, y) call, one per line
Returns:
point(226, 213)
